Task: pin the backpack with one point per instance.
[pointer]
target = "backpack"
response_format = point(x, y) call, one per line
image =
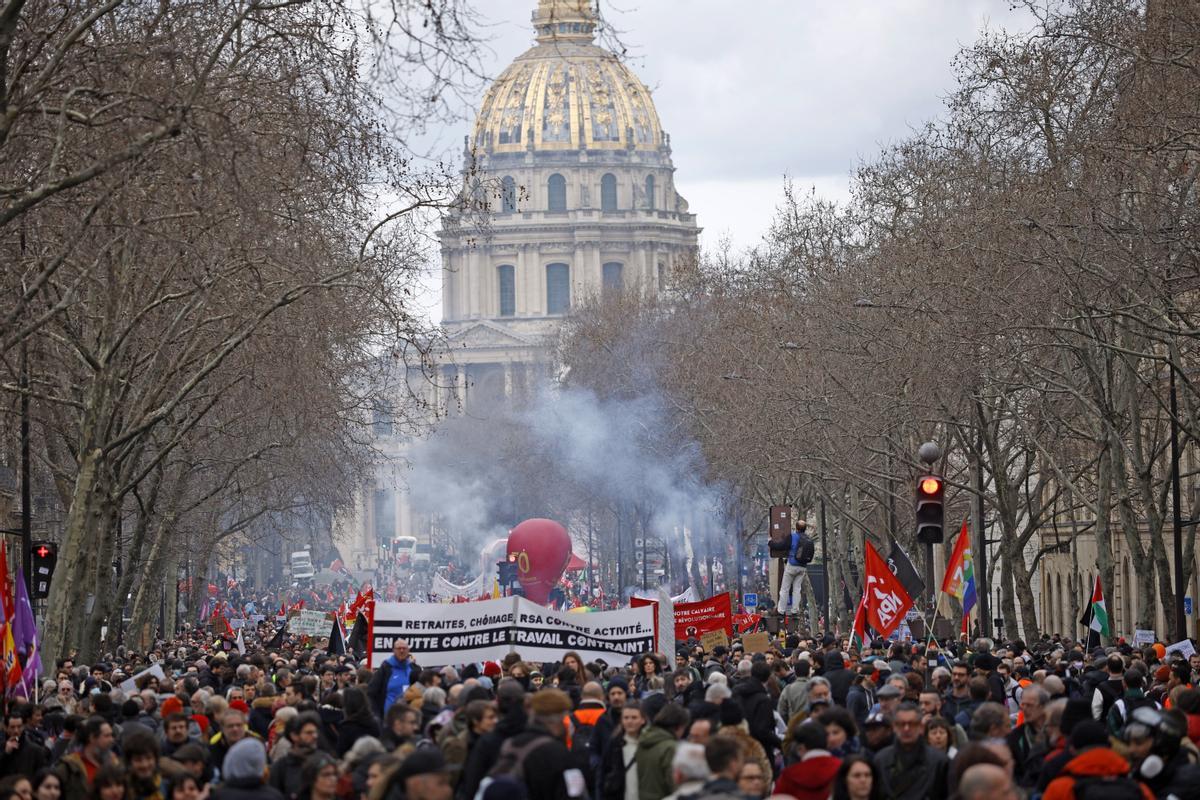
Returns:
point(1114, 787)
point(511, 760)
point(581, 739)
point(803, 549)
point(1123, 708)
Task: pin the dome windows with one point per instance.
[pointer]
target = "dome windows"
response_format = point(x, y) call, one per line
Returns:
point(556, 194)
point(558, 288)
point(650, 192)
point(508, 195)
point(508, 289)
point(608, 192)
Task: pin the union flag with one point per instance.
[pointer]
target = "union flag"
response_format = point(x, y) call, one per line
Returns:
point(885, 597)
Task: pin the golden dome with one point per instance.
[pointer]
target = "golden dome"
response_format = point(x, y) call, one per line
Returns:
point(565, 93)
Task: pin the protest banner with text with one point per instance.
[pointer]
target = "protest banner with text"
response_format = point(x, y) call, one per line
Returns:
point(485, 630)
point(694, 619)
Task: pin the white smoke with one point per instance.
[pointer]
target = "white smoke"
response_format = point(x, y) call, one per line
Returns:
point(564, 451)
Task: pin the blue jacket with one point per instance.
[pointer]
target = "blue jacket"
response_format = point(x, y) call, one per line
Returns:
point(377, 689)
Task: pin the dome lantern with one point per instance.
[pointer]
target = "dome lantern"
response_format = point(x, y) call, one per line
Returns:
point(564, 20)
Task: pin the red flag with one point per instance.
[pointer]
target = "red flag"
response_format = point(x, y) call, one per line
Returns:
point(6, 589)
point(887, 602)
point(858, 638)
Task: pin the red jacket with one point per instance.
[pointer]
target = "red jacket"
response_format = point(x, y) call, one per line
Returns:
point(811, 778)
point(1099, 762)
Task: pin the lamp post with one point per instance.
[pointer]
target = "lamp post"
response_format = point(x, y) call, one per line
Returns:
point(929, 453)
point(825, 564)
point(1176, 513)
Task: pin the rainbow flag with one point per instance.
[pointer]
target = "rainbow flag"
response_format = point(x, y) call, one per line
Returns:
point(959, 581)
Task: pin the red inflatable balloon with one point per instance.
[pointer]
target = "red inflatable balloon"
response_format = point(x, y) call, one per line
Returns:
point(542, 548)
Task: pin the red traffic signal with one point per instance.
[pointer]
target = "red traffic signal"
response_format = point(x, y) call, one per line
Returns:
point(44, 559)
point(931, 510)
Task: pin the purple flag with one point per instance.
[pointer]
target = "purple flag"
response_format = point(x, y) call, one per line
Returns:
point(25, 637)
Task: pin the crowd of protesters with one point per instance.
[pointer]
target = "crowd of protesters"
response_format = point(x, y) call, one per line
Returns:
point(814, 719)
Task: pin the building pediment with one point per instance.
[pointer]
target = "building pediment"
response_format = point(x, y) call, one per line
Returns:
point(485, 334)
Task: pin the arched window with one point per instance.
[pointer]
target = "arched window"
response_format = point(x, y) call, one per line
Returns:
point(608, 192)
point(662, 276)
point(508, 290)
point(508, 195)
point(650, 192)
point(558, 288)
point(612, 280)
point(556, 193)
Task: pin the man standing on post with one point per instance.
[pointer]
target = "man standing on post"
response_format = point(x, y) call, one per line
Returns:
point(800, 552)
point(391, 679)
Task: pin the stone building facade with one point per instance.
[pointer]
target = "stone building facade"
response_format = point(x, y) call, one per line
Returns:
point(569, 160)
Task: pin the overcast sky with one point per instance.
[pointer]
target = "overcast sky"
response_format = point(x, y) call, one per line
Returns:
point(754, 90)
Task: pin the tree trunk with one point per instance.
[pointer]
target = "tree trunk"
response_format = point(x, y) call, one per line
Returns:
point(1103, 529)
point(89, 641)
point(170, 585)
point(68, 592)
point(150, 581)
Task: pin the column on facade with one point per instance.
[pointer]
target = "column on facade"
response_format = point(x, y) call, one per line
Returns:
point(596, 267)
point(479, 281)
point(539, 281)
point(508, 379)
point(460, 385)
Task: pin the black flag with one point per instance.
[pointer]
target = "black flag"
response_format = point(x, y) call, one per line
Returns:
point(337, 640)
point(277, 640)
point(358, 636)
point(903, 569)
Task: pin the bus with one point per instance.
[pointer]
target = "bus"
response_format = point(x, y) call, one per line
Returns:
point(404, 548)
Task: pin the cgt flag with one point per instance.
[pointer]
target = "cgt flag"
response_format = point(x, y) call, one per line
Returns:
point(886, 599)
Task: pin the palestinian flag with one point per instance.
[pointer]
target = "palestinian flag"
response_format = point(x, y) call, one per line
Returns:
point(858, 637)
point(1099, 621)
point(1095, 616)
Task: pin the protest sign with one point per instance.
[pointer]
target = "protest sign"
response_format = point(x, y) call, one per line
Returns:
point(713, 639)
point(129, 685)
point(756, 642)
point(694, 619)
point(309, 623)
point(458, 633)
point(1183, 647)
point(1141, 636)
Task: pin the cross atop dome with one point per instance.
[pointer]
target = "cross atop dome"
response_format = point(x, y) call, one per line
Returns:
point(564, 20)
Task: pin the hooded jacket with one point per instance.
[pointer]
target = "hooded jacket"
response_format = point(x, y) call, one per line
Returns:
point(838, 676)
point(760, 713)
point(655, 750)
point(1096, 762)
point(243, 772)
point(811, 777)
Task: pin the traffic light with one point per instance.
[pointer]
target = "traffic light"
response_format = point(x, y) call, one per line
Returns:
point(507, 571)
point(44, 559)
point(931, 509)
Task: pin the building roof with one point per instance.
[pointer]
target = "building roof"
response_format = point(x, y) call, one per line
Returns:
point(566, 93)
